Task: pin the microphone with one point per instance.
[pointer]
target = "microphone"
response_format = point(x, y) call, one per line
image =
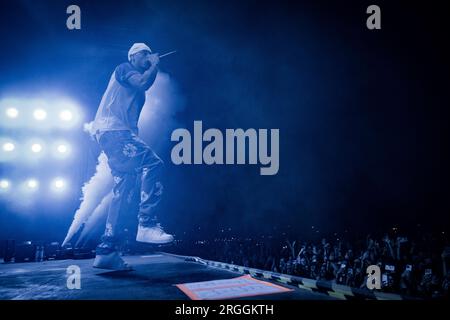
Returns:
point(167, 54)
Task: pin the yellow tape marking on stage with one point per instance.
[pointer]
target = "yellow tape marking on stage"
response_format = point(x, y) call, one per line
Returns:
point(387, 296)
point(338, 295)
point(285, 279)
point(342, 289)
point(309, 283)
point(304, 288)
point(252, 272)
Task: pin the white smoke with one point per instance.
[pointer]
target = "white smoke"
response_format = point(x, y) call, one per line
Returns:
point(93, 191)
point(163, 101)
point(94, 220)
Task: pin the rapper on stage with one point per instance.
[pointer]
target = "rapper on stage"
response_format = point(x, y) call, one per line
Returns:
point(134, 165)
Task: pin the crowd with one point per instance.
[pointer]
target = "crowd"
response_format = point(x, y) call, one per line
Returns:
point(413, 267)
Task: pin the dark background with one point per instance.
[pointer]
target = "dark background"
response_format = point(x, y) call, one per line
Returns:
point(363, 115)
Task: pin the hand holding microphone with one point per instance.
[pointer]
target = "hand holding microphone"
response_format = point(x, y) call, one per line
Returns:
point(154, 59)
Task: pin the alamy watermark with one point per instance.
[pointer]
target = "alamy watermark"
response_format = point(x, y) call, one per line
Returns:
point(373, 22)
point(73, 21)
point(240, 145)
point(373, 277)
point(73, 277)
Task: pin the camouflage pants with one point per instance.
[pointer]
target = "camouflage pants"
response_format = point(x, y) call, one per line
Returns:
point(135, 169)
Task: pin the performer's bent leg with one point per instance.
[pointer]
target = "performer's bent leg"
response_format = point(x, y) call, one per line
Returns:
point(151, 189)
point(129, 155)
point(113, 144)
point(107, 255)
point(123, 187)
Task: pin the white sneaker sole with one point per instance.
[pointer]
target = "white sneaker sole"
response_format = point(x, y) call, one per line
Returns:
point(153, 241)
point(111, 262)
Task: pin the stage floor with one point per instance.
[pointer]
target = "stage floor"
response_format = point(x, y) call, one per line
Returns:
point(154, 278)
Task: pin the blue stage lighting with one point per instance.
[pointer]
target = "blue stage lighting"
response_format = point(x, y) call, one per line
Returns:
point(5, 184)
point(8, 151)
point(8, 146)
point(9, 112)
point(45, 113)
point(32, 184)
point(61, 149)
point(12, 112)
point(36, 147)
point(40, 114)
point(59, 185)
point(66, 115)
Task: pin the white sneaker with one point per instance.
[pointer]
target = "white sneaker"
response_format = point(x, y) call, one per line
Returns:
point(153, 235)
point(111, 261)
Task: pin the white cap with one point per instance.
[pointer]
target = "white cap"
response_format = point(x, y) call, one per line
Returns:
point(135, 48)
